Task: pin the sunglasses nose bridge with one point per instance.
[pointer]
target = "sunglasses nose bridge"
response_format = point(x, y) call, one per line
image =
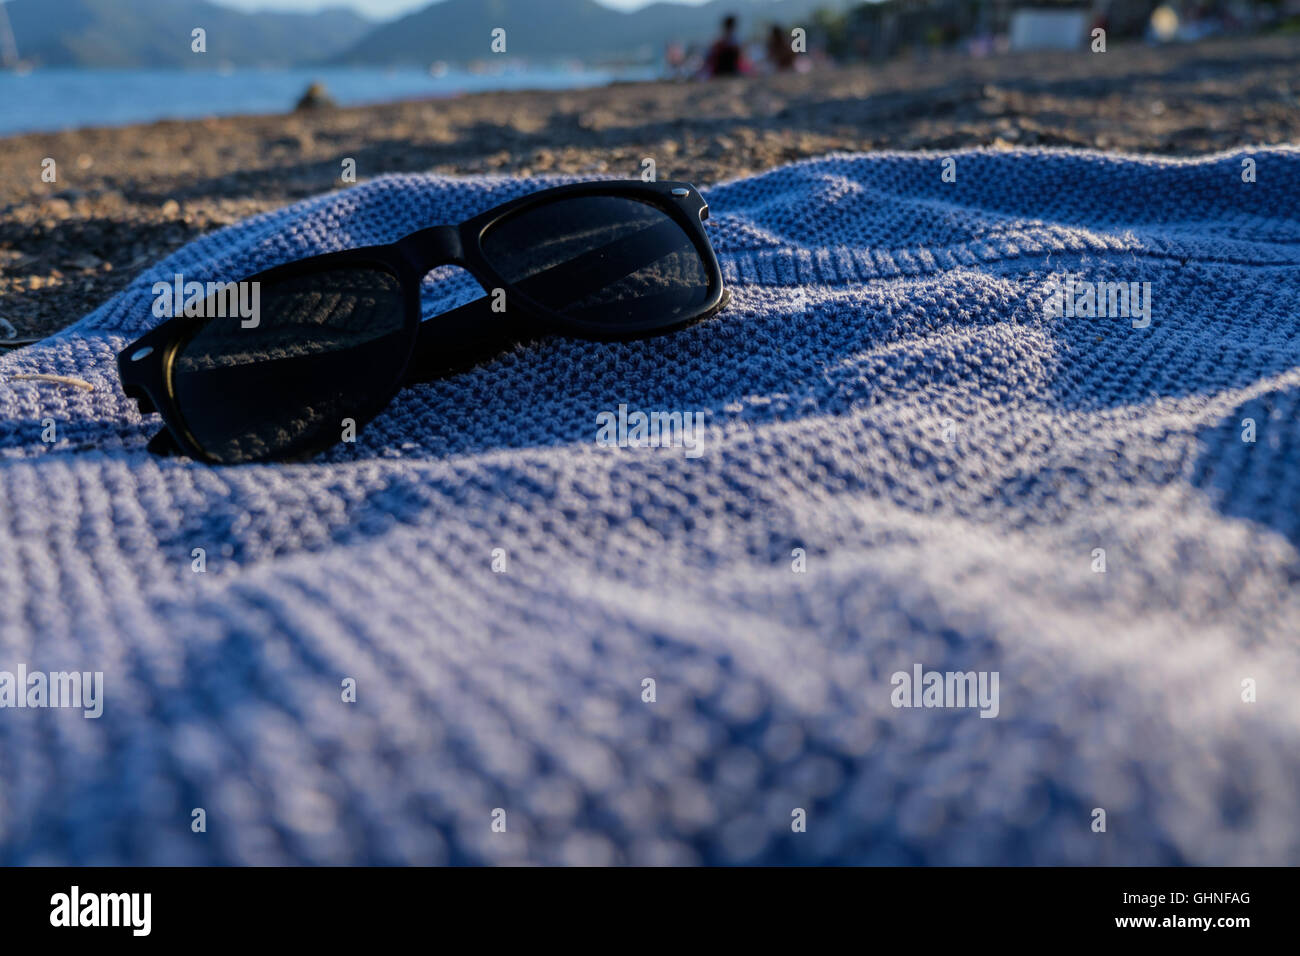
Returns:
point(435, 246)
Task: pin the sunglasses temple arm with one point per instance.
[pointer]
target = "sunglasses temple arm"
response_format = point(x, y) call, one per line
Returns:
point(457, 340)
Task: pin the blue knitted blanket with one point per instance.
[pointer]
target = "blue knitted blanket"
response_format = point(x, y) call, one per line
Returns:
point(989, 554)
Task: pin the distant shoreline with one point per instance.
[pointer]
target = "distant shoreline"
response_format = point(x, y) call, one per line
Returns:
point(54, 99)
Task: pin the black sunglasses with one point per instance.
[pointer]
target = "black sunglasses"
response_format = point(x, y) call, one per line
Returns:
point(279, 365)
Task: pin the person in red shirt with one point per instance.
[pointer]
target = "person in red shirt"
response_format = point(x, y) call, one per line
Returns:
point(726, 58)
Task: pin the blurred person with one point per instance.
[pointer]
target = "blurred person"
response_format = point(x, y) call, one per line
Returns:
point(780, 54)
point(674, 58)
point(725, 57)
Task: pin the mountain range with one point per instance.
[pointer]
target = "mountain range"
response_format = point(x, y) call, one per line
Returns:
point(156, 33)
point(460, 30)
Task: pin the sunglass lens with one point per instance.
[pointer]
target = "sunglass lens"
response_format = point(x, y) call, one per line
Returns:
point(280, 365)
point(607, 261)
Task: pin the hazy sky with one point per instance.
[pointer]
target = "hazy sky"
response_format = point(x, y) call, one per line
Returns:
point(383, 9)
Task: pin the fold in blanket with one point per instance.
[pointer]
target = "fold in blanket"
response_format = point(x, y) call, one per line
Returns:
point(944, 459)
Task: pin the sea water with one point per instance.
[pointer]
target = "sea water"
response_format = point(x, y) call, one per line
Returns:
point(56, 99)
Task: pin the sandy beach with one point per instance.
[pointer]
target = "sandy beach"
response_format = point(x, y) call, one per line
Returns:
point(127, 196)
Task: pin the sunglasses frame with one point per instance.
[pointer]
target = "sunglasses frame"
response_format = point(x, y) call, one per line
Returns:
point(145, 366)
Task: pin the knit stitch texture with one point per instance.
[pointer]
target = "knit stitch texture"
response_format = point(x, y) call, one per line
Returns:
point(886, 392)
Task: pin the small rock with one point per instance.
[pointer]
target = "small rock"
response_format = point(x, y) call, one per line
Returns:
point(84, 260)
point(316, 97)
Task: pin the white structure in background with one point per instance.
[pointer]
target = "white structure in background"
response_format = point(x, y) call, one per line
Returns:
point(8, 46)
point(1049, 29)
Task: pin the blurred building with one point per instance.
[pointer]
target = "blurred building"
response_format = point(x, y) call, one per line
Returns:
point(880, 30)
